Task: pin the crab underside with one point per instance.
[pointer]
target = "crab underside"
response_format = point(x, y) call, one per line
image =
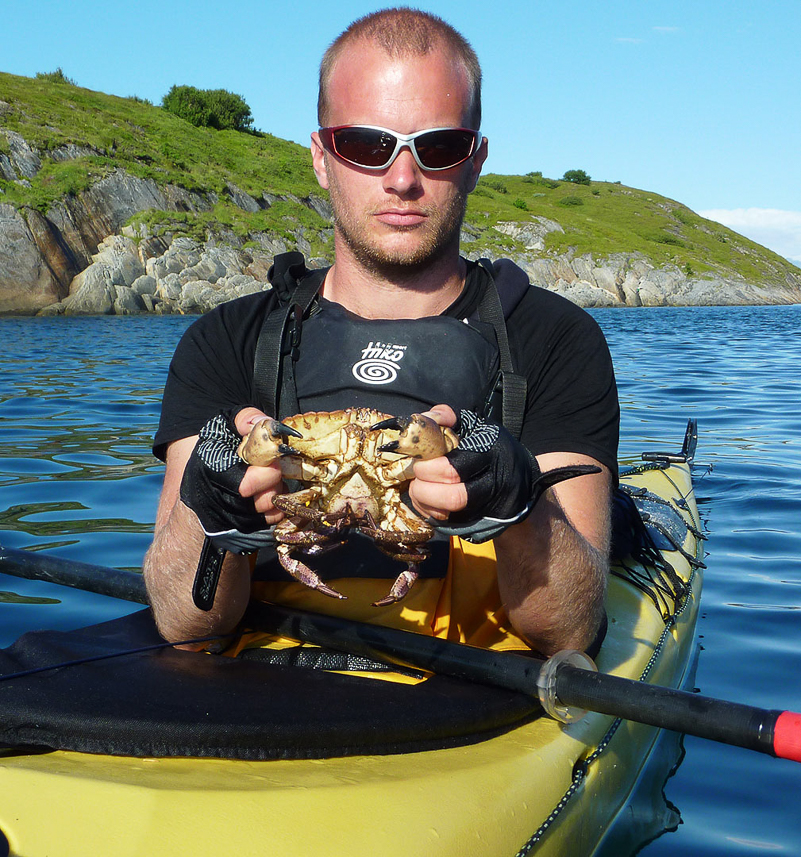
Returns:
point(353, 465)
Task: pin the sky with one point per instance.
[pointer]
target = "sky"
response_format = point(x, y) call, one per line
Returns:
point(697, 101)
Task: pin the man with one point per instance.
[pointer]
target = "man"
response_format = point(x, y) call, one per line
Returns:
point(398, 205)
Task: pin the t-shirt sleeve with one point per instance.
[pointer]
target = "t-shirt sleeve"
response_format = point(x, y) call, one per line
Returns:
point(572, 403)
point(211, 370)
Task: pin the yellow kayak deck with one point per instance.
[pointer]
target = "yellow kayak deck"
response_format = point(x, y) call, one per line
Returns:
point(543, 788)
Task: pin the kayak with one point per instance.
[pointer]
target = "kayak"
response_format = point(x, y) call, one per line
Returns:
point(520, 783)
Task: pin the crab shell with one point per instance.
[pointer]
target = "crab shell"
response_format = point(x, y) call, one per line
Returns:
point(353, 467)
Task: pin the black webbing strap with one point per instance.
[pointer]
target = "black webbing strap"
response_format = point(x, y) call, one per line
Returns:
point(514, 386)
point(306, 657)
point(274, 377)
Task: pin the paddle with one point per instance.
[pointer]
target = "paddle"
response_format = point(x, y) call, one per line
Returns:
point(559, 684)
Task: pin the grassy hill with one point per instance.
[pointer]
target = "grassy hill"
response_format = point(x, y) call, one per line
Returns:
point(102, 133)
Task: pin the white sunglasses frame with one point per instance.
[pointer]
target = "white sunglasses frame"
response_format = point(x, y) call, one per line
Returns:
point(401, 141)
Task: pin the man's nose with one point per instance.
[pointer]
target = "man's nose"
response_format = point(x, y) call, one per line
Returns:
point(403, 174)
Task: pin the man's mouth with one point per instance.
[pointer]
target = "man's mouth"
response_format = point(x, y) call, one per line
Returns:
point(401, 216)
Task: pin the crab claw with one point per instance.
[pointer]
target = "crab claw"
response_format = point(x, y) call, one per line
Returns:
point(264, 442)
point(396, 423)
point(420, 437)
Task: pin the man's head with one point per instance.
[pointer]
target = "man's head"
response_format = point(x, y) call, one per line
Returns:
point(405, 72)
point(404, 32)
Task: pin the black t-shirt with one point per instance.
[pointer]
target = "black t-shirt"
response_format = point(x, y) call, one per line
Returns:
point(571, 405)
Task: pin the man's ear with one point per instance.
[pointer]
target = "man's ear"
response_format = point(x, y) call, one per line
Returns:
point(318, 160)
point(477, 162)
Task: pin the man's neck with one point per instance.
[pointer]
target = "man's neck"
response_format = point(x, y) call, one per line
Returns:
point(373, 294)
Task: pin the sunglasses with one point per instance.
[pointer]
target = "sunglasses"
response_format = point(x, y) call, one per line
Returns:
point(374, 148)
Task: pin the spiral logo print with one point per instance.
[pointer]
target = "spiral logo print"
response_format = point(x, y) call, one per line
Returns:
point(379, 363)
point(375, 371)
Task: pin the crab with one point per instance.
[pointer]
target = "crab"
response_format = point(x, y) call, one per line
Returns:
point(354, 464)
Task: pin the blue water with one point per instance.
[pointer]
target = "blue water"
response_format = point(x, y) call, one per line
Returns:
point(79, 400)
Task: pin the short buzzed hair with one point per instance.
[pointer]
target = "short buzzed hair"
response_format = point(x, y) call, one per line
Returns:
point(404, 32)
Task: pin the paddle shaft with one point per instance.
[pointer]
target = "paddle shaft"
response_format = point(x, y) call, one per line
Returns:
point(767, 731)
point(114, 582)
point(691, 713)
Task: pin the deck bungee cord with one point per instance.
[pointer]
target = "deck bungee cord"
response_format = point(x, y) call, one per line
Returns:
point(76, 662)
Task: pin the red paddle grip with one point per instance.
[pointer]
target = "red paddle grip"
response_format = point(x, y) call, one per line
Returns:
point(787, 736)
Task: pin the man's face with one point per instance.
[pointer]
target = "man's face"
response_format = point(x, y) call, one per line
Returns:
point(400, 219)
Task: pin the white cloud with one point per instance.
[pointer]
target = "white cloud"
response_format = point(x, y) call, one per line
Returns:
point(779, 230)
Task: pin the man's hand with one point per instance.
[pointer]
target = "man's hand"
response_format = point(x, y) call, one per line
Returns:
point(487, 484)
point(490, 474)
point(232, 501)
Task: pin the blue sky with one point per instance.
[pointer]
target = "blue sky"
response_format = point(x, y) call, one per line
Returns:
point(698, 101)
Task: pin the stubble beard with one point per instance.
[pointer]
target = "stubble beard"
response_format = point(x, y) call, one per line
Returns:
point(437, 238)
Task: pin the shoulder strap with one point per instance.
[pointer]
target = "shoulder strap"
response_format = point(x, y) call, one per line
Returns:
point(495, 305)
point(273, 376)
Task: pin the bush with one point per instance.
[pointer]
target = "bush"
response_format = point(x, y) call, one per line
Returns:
point(209, 108)
point(576, 176)
point(56, 76)
point(495, 184)
point(571, 200)
point(521, 204)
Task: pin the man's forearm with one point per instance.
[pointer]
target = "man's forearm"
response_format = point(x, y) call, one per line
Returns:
point(552, 580)
point(169, 570)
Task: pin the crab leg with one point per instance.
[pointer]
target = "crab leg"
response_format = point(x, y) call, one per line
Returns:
point(400, 588)
point(303, 573)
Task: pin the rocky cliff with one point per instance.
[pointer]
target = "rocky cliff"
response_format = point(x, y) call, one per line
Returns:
point(82, 255)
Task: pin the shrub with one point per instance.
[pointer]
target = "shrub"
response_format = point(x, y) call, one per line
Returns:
point(571, 200)
point(520, 203)
point(56, 76)
point(209, 108)
point(495, 184)
point(576, 176)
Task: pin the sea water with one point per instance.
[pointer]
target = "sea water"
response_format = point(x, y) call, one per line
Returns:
point(79, 401)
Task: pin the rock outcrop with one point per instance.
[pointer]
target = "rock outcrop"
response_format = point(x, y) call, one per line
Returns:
point(622, 280)
point(182, 276)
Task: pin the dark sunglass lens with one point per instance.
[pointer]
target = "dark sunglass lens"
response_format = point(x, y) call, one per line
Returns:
point(364, 146)
point(441, 149)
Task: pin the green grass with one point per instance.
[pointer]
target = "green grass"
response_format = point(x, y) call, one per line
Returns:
point(605, 218)
point(127, 133)
point(148, 142)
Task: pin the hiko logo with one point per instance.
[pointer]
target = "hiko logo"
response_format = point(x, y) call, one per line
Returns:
point(379, 363)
